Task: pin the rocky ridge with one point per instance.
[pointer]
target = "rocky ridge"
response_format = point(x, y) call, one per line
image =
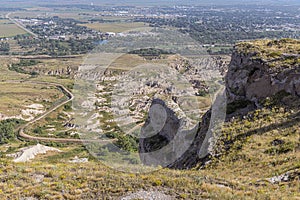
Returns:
point(258, 70)
point(254, 74)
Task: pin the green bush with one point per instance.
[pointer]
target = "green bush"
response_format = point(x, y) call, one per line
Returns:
point(7, 130)
point(127, 143)
point(18, 67)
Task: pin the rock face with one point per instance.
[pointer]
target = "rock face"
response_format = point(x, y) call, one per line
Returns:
point(163, 143)
point(254, 76)
point(255, 72)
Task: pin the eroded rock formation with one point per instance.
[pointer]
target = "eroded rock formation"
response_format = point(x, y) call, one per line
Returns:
point(258, 70)
point(251, 78)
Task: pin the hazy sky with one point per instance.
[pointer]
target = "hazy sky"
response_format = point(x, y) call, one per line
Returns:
point(15, 3)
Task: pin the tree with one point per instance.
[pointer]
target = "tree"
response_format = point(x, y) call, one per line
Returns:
point(4, 46)
point(6, 131)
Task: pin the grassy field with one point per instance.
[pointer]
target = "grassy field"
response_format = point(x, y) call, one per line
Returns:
point(46, 65)
point(6, 74)
point(47, 12)
point(115, 27)
point(9, 29)
point(16, 96)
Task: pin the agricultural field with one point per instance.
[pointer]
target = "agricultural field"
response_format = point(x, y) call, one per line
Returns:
point(9, 29)
point(46, 12)
point(115, 27)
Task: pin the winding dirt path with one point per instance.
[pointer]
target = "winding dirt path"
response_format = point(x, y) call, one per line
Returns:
point(70, 97)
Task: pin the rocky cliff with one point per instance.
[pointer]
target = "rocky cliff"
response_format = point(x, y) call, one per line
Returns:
point(258, 70)
point(261, 69)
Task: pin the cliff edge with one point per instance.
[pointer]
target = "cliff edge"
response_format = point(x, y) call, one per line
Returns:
point(258, 70)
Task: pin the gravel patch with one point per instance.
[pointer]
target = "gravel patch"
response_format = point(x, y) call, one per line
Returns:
point(147, 195)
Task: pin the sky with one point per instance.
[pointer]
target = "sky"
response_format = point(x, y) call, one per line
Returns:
point(15, 3)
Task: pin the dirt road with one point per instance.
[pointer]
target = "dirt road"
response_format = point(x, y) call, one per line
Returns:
point(70, 97)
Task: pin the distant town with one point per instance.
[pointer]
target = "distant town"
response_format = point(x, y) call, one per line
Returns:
point(217, 28)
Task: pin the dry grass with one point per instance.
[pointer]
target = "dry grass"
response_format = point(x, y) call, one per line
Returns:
point(93, 180)
point(52, 125)
point(127, 62)
point(29, 14)
point(270, 49)
point(96, 181)
point(267, 47)
point(59, 63)
point(9, 29)
point(239, 173)
point(275, 52)
point(16, 96)
point(6, 74)
point(243, 170)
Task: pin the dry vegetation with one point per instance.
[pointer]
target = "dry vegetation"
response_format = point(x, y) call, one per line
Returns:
point(275, 52)
point(9, 29)
point(16, 96)
point(6, 74)
point(53, 125)
point(238, 173)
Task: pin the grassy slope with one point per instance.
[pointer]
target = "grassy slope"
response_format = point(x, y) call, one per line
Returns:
point(243, 169)
point(276, 53)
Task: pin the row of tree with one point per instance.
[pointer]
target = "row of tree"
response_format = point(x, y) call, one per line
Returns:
point(56, 47)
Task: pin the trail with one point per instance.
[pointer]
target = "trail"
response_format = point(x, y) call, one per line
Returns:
point(70, 97)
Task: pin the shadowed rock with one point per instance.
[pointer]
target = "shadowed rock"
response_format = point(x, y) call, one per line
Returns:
point(163, 142)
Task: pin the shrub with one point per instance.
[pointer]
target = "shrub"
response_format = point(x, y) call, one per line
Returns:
point(7, 130)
